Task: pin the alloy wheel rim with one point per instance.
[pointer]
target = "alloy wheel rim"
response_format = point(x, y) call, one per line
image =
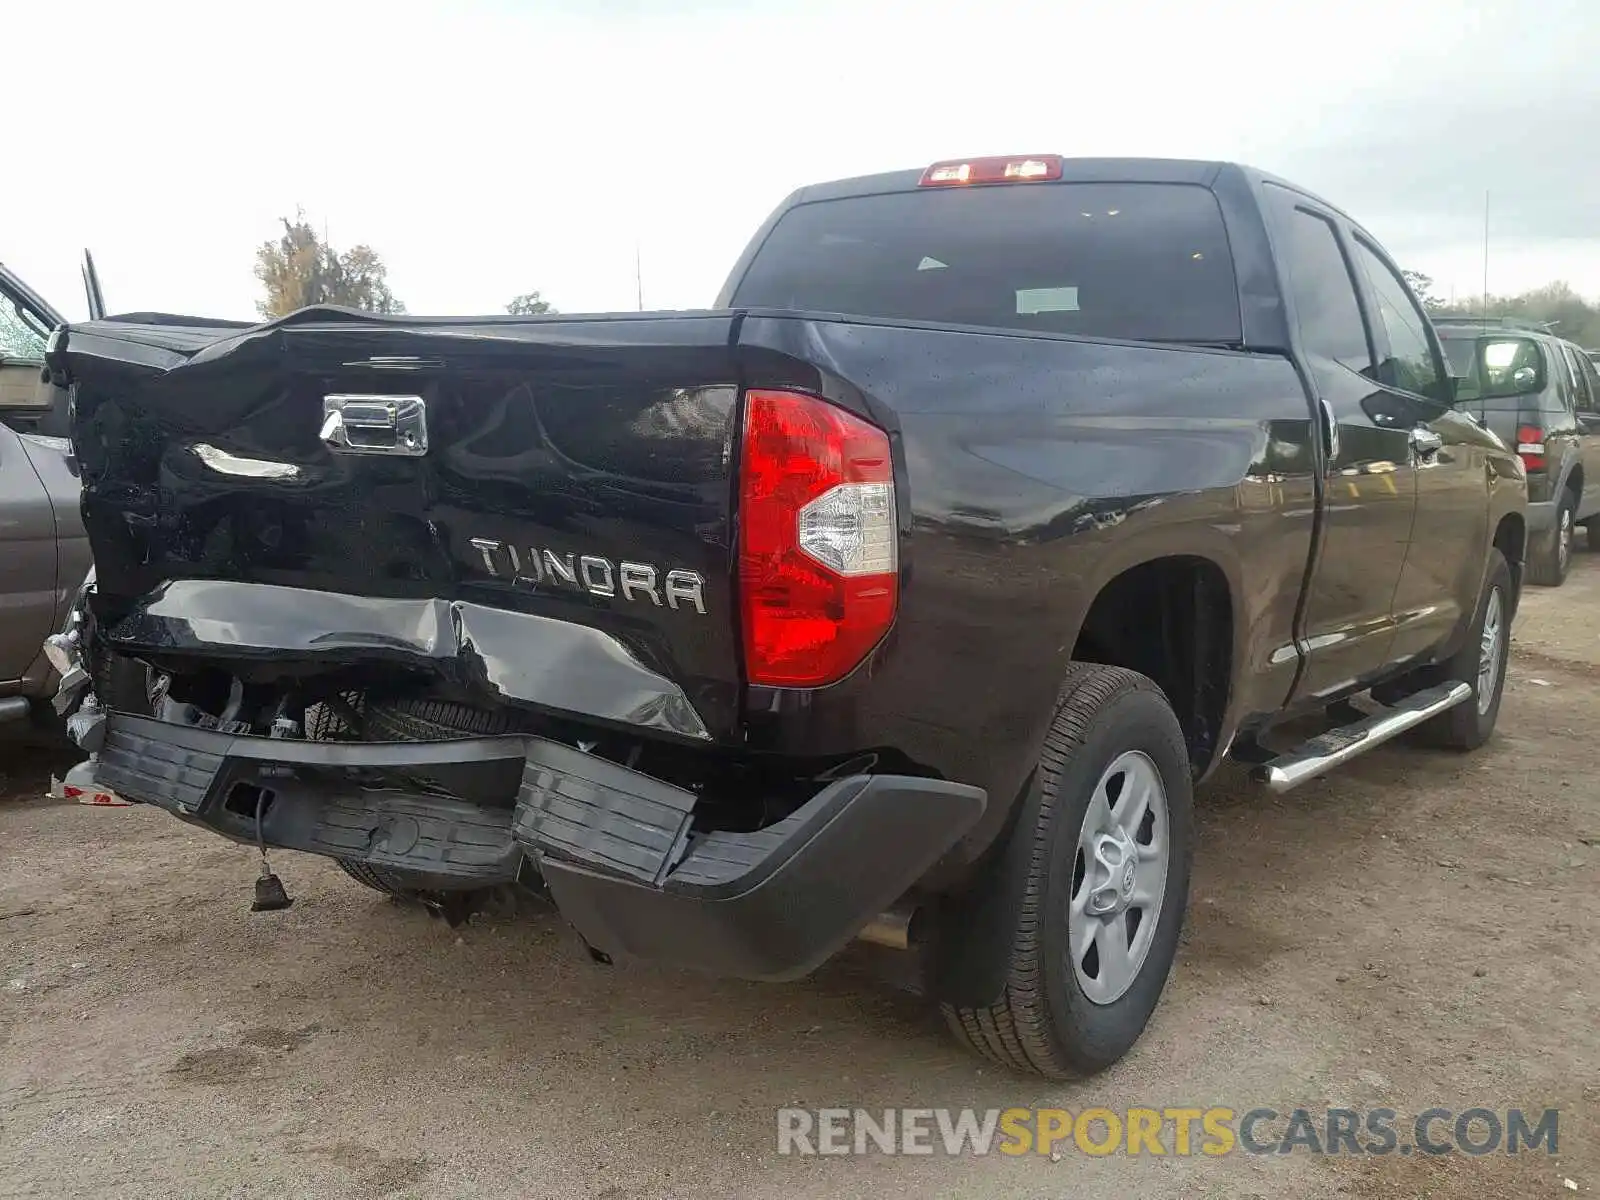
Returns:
point(1119, 877)
point(1489, 651)
point(1564, 539)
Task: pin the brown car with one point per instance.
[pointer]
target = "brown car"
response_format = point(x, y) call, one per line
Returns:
point(44, 552)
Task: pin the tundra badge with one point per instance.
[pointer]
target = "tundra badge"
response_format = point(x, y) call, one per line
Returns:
point(597, 576)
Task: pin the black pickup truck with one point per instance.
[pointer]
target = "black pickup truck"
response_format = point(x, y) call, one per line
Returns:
point(907, 595)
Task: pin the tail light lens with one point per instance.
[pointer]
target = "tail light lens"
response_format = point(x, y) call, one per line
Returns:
point(1530, 447)
point(818, 555)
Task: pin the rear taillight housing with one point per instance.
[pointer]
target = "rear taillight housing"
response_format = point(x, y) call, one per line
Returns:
point(1530, 447)
point(818, 540)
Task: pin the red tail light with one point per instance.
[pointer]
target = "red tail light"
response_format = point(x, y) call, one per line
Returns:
point(1530, 447)
point(818, 562)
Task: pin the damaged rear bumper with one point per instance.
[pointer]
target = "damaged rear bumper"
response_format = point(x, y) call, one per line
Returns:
point(616, 848)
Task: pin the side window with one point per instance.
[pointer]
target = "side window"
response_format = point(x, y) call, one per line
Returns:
point(1582, 395)
point(21, 336)
point(1411, 365)
point(1325, 294)
point(1591, 379)
point(1566, 385)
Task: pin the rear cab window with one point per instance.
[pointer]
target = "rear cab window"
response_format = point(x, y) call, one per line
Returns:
point(1133, 261)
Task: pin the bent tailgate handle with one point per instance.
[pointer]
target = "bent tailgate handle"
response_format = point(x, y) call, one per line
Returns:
point(362, 424)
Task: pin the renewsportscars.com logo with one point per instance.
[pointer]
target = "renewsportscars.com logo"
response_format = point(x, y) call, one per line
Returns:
point(1174, 1131)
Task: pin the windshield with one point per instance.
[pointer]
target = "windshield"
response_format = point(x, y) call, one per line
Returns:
point(1489, 367)
point(1140, 261)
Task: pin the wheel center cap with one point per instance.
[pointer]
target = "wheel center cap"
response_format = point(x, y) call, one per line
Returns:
point(1114, 873)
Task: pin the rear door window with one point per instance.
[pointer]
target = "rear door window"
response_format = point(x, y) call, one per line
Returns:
point(1590, 378)
point(1582, 396)
point(1139, 261)
point(1325, 294)
point(1566, 383)
point(1412, 365)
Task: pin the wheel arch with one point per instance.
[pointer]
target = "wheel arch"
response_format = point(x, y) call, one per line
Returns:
point(1188, 601)
point(1511, 538)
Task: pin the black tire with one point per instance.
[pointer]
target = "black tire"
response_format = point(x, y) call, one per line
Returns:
point(1043, 1022)
point(1469, 725)
point(1591, 530)
point(404, 720)
point(381, 879)
point(1551, 559)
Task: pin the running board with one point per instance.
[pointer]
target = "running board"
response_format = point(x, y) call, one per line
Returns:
point(1338, 746)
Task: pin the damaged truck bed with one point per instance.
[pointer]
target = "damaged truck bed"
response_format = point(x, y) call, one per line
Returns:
point(541, 535)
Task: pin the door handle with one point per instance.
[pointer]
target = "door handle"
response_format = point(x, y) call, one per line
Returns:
point(1425, 442)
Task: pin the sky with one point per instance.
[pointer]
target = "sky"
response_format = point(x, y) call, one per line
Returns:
point(486, 149)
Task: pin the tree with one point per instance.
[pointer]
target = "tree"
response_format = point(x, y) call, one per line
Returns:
point(1556, 304)
point(300, 269)
point(530, 304)
point(1422, 285)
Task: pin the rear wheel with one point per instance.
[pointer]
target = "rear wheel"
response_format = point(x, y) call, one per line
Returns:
point(404, 720)
point(1591, 530)
point(1550, 561)
point(1106, 881)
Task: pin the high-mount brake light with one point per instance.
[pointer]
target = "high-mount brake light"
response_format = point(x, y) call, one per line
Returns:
point(1024, 168)
point(818, 539)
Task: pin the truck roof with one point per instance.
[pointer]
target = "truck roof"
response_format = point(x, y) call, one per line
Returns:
point(1074, 170)
point(1468, 326)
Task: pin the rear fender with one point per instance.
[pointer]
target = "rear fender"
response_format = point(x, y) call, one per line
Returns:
point(973, 928)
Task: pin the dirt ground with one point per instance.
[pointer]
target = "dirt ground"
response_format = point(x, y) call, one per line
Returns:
point(1419, 930)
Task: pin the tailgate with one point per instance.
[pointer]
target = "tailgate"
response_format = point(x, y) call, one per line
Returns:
point(575, 469)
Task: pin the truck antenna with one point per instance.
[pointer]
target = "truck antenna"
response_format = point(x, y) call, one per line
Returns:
point(1486, 259)
point(638, 274)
